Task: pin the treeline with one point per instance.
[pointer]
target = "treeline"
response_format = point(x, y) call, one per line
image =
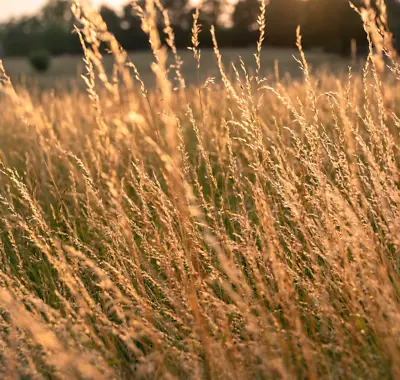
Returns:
point(329, 24)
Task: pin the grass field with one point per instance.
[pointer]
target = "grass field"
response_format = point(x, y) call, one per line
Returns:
point(65, 69)
point(242, 228)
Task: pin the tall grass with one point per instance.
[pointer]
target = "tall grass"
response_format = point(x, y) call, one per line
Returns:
point(240, 228)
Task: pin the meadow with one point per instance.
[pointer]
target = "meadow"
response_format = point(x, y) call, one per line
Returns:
point(228, 226)
point(65, 71)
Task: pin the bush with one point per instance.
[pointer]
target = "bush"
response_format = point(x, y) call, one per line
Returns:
point(40, 60)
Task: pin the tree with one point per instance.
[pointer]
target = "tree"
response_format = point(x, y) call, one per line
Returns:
point(132, 36)
point(283, 17)
point(393, 8)
point(212, 10)
point(57, 12)
point(112, 20)
point(178, 11)
point(57, 22)
point(21, 36)
point(244, 17)
point(332, 24)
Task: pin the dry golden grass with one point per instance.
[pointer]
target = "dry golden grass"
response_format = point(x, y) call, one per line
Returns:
point(235, 229)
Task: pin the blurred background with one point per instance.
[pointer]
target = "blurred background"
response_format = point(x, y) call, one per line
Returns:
point(331, 30)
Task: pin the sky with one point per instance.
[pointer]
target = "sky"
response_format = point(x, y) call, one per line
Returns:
point(15, 8)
